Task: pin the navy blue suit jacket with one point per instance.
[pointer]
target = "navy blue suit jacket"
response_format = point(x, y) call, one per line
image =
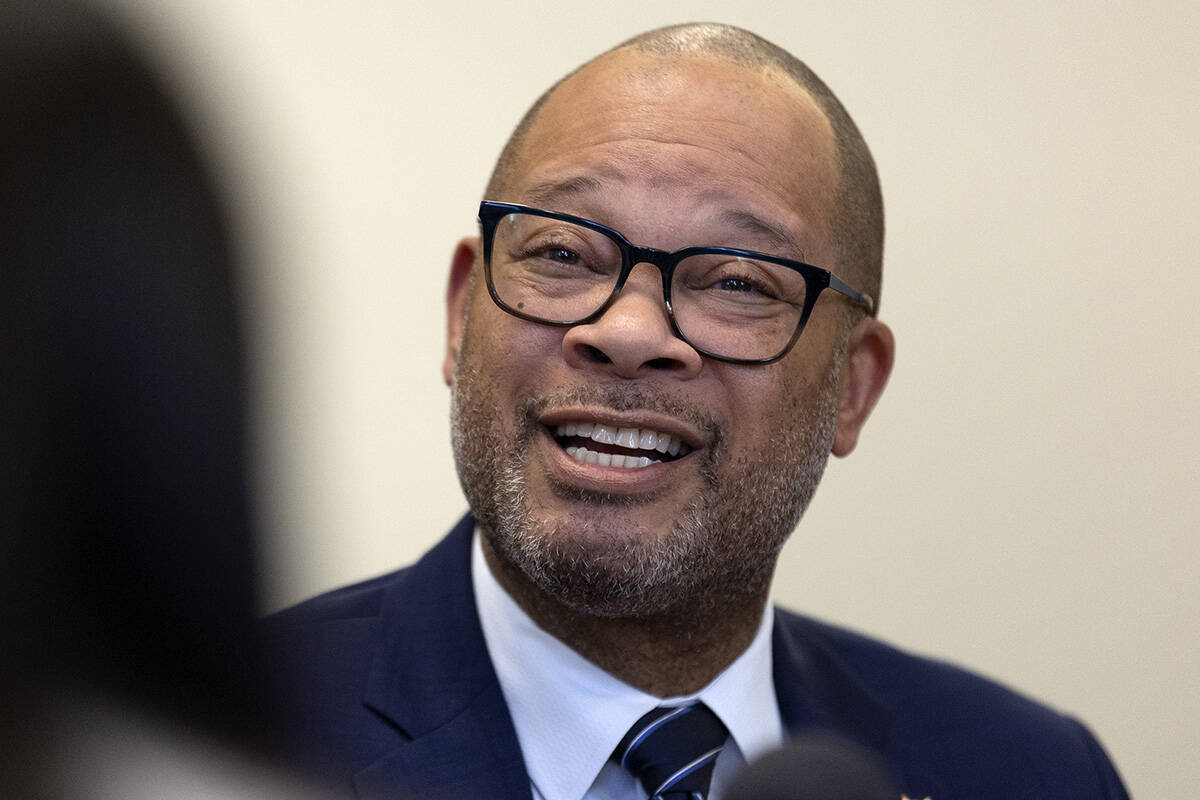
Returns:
point(392, 694)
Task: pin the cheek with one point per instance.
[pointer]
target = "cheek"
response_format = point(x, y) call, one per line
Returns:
point(767, 401)
point(750, 400)
point(503, 350)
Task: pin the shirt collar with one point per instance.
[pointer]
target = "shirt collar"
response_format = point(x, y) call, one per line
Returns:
point(569, 714)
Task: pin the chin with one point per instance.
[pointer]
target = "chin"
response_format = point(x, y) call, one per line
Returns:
point(606, 566)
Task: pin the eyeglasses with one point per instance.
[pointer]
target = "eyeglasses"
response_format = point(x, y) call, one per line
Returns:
point(734, 305)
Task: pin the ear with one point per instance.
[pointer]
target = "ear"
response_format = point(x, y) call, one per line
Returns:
point(465, 255)
point(870, 354)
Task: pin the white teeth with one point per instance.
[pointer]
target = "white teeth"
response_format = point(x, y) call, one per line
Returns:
point(604, 435)
point(633, 438)
point(608, 459)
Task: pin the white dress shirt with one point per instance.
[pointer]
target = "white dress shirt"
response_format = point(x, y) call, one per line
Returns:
point(569, 714)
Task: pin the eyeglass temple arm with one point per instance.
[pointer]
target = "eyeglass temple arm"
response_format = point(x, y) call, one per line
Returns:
point(839, 285)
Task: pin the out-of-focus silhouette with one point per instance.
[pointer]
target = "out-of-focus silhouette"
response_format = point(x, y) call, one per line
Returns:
point(127, 569)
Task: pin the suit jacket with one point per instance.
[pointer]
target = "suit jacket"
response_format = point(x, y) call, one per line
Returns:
point(391, 694)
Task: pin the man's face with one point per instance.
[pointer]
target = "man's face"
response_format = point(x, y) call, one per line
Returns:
point(672, 153)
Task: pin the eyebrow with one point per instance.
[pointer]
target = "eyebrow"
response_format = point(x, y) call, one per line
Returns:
point(777, 240)
point(555, 191)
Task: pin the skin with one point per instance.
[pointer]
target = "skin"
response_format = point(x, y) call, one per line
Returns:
point(671, 152)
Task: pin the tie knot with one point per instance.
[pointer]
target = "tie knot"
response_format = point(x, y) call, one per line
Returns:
point(672, 750)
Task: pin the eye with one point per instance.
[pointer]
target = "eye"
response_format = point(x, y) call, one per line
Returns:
point(562, 255)
point(557, 249)
point(741, 281)
point(736, 285)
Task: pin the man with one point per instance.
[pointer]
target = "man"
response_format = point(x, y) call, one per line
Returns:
point(638, 425)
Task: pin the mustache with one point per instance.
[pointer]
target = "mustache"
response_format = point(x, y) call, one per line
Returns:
point(621, 398)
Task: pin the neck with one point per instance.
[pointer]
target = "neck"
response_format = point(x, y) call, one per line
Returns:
point(673, 653)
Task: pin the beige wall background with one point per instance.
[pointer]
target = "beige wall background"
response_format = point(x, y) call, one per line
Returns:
point(1024, 501)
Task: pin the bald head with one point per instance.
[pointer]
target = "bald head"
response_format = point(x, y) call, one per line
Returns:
point(856, 208)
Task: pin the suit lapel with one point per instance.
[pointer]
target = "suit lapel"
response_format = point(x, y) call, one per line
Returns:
point(432, 679)
point(815, 690)
point(469, 756)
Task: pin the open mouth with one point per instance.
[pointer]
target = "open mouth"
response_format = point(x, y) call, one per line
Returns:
point(630, 448)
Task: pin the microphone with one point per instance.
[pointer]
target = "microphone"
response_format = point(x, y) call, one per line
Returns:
point(815, 767)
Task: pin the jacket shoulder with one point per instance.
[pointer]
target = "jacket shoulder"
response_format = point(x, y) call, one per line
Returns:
point(899, 678)
point(356, 601)
point(949, 728)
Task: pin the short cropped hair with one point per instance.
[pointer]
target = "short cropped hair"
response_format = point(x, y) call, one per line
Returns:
point(857, 223)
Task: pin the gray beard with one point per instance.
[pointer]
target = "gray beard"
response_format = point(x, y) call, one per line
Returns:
point(720, 551)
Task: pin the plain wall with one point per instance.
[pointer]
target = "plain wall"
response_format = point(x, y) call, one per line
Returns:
point(1024, 500)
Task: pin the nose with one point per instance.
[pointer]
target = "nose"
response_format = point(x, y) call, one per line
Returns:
point(633, 338)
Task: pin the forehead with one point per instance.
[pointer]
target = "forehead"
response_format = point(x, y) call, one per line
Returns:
point(642, 137)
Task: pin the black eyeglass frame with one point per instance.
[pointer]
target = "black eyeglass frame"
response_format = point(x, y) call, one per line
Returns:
point(815, 278)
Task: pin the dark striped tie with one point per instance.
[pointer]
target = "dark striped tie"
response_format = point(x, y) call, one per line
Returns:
point(672, 751)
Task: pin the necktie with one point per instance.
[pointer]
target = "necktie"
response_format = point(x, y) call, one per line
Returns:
point(672, 751)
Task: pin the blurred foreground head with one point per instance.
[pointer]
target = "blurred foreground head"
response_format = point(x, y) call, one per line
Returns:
point(127, 564)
